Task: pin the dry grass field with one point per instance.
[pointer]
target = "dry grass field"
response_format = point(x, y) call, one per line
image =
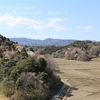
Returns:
point(83, 77)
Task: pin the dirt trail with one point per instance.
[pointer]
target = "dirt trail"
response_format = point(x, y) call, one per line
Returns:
point(84, 78)
point(2, 97)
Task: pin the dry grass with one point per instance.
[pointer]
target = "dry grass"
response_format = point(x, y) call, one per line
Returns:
point(2, 97)
point(83, 76)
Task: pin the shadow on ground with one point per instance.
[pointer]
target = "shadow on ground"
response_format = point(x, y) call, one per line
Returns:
point(59, 72)
point(70, 90)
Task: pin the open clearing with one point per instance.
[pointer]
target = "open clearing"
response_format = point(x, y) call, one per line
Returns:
point(83, 77)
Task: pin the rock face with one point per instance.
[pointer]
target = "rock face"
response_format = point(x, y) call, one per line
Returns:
point(30, 53)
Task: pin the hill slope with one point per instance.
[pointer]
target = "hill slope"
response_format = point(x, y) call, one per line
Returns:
point(25, 75)
point(79, 50)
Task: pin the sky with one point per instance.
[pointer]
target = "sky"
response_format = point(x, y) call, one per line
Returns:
point(58, 19)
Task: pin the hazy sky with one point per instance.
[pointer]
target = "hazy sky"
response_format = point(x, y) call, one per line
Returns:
point(40, 19)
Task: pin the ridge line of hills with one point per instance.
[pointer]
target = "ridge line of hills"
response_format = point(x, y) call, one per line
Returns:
point(45, 42)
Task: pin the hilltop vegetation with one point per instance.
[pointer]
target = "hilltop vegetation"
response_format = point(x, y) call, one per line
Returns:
point(25, 75)
point(74, 50)
point(50, 49)
point(79, 50)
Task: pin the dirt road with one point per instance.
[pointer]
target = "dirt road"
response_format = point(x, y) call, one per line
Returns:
point(84, 78)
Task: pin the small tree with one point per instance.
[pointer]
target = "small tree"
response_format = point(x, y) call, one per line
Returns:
point(42, 64)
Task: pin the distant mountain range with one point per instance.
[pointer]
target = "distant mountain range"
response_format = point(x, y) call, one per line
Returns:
point(46, 42)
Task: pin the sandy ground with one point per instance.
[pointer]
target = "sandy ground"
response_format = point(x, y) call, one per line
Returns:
point(83, 77)
point(2, 97)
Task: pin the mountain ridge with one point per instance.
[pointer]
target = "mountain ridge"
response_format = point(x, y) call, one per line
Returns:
point(45, 42)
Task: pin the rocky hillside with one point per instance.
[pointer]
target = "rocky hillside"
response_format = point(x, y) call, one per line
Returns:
point(25, 75)
point(46, 42)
